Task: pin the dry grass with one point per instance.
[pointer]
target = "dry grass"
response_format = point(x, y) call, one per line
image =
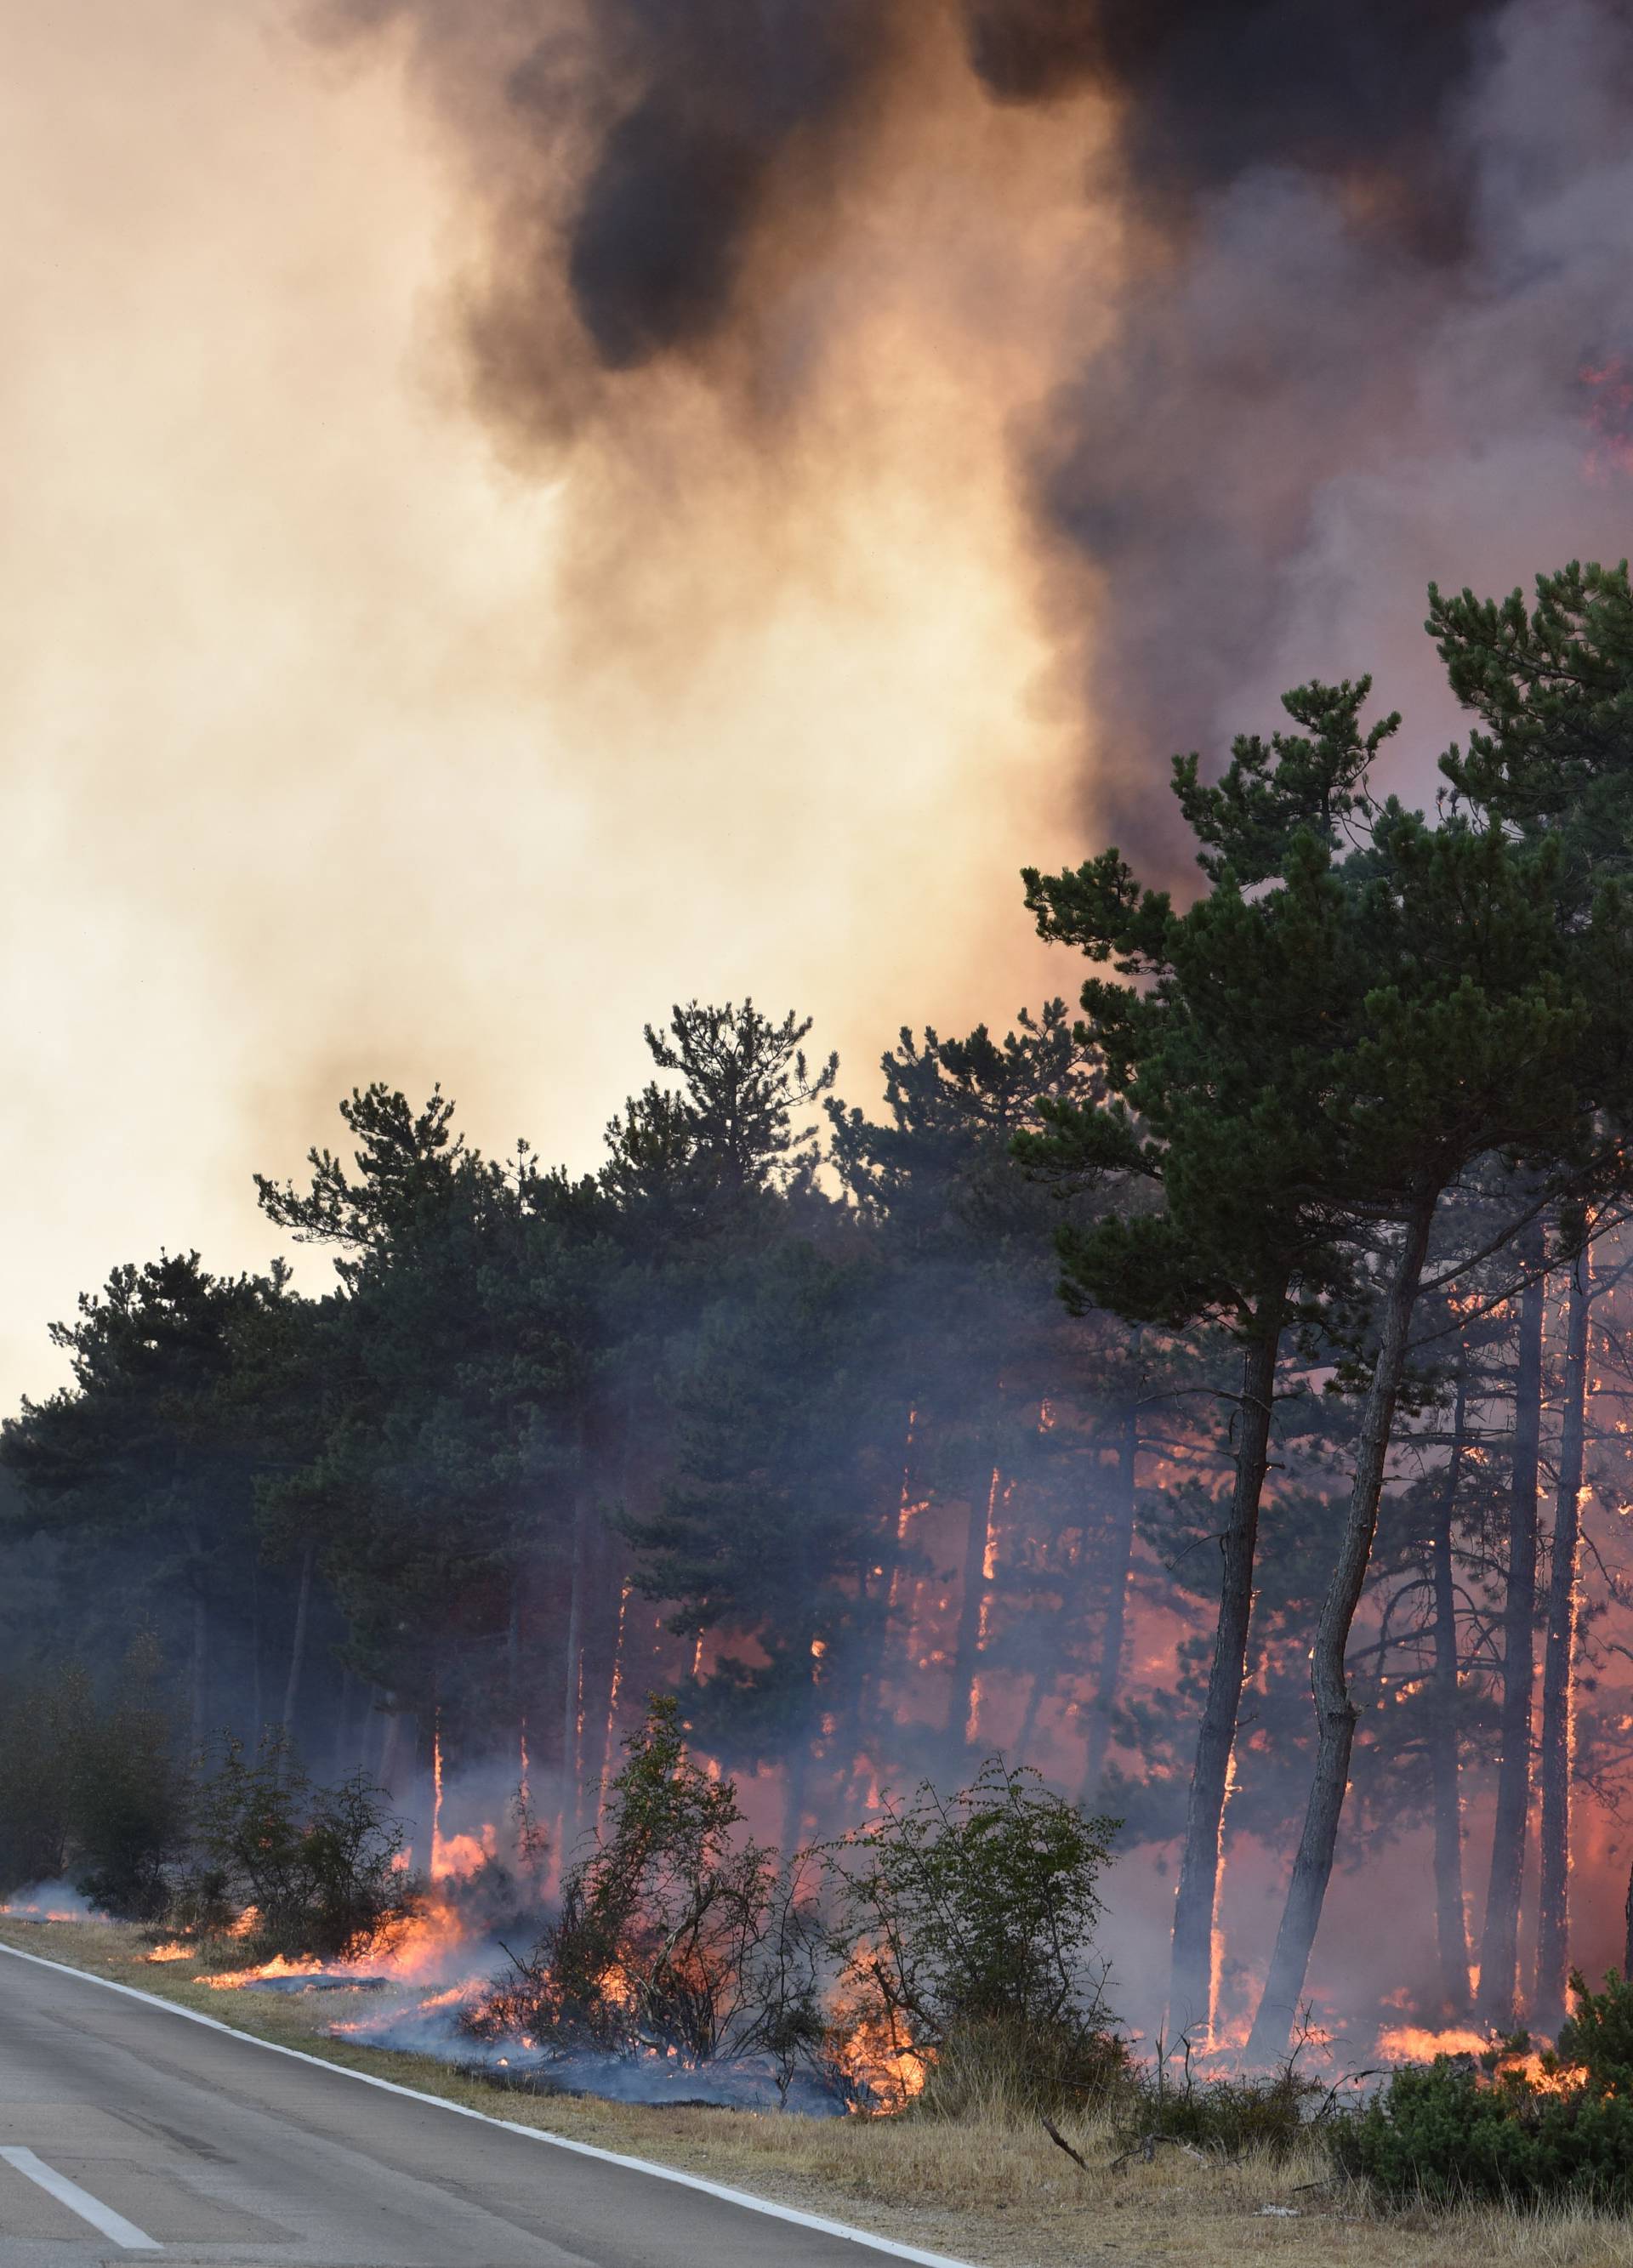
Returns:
point(983, 2190)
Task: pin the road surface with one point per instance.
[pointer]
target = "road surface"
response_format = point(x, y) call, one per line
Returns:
point(129, 2133)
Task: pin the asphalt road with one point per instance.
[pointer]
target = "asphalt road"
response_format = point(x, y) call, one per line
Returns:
point(129, 2133)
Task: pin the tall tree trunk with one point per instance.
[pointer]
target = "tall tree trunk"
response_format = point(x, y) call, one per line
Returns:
point(1558, 1670)
point(345, 1701)
point(1335, 1712)
point(1451, 1922)
point(1499, 1944)
point(572, 1687)
point(257, 1709)
point(390, 1745)
point(200, 1710)
point(1190, 1996)
point(512, 1650)
point(963, 1704)
point(793, 1795)
point(1037, 1694)
point(1121, 1556)
point(1627, 1916)
point(297, 1643)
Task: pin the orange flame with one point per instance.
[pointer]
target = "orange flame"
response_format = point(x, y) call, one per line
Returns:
point(234, 1980)
point(1416, 2043)
point(878, 2058)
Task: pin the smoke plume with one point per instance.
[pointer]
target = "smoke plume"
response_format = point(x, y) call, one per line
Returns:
point(1348, 265)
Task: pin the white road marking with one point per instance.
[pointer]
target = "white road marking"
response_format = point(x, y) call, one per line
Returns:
point(113, 2225)
point(749, 2204)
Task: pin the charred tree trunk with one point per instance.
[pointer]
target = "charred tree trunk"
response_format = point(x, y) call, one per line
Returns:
point(1499, 1944)
point(1450, 1922)
point(1558, 1670)
point(297, 1643)
point(1627, 1916)
point(1121, 1557)
point(1335, 1712)
point(1190, 1991)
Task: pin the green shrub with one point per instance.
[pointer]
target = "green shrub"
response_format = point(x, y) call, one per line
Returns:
point(1494, 2128)
point(968, 1938)
point(1001, 2067)
point(318, 1864)
point(1599, 2032)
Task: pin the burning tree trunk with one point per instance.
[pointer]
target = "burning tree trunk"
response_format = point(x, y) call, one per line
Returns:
point(1335, 1712)
point(1190, 1991)
point(1559, 1662)
point(1499, 1948)
point(964, 1705)
point(297, 1645)
point(1112, 1642)
point(1451, 1926)
point(601, 1669)
point(571, 1674)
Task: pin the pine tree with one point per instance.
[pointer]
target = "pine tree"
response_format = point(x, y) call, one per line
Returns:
point(1216, 1073)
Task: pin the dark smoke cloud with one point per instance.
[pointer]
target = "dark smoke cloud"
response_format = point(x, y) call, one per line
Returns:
point(717, 92)
point(656, 136)
point(1211, 89)
point(1339, 213)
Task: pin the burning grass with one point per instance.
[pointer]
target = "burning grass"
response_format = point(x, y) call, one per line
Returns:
point(986, 2186)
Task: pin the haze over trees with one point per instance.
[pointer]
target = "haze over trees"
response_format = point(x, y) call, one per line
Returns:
point(1217, 1398)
